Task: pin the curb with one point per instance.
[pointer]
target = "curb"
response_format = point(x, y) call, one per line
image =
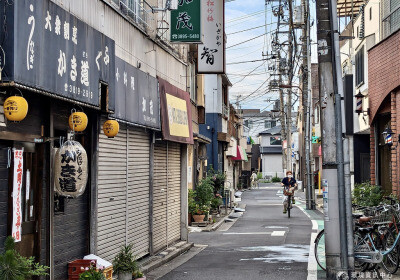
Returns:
point(218, 224)
point(161, 261)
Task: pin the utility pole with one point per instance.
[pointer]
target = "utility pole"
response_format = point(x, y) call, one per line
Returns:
point(281, 98)
point(307, 97)
point(289, 96)
point(331, 88)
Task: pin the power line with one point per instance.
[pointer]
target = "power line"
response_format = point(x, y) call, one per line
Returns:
point(245, 16)
point(249, 29)
point(241, 62)
point(246, 41)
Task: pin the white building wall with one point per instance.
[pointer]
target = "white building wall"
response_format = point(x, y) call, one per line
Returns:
point(272, 165)
point(213, 94)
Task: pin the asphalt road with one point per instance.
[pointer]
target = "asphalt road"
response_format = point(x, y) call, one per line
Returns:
point(262, 244)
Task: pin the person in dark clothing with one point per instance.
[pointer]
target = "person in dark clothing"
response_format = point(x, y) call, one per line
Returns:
point(289, 184)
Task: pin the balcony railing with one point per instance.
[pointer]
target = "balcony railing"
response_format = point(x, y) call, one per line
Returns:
point(138, 11)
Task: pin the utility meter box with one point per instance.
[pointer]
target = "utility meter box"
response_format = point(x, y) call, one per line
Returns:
point(298, 16)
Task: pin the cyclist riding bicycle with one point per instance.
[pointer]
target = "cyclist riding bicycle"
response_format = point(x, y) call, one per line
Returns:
point(289, 184)
point(253, 180)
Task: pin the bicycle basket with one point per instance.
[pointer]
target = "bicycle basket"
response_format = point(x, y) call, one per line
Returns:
point(383, 217)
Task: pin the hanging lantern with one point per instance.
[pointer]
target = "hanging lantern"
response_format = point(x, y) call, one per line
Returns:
point(359, 102)
point(70, 169)
point(111, 128)
point(78, 121)
point(15, 108)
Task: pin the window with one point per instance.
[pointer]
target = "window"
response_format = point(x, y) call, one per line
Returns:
point(269, 124)
point(360, 66)
point(275, 141)
point(370, 13)
point(391, 17)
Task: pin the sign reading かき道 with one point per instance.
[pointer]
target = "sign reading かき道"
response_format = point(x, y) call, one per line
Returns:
point(211, 53)
point(186, 22)
point(56, 52)
point(17, 190)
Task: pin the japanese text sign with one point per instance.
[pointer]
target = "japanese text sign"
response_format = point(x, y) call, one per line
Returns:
point(211, 54)
point(186, 22)
point(175, 113)
point(17, 191)
point(56, 52)
point(136, 96)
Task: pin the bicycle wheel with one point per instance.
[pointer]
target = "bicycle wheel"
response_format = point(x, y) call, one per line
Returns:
point(360, 246)
point(289, 205)
point(390, 260)
point(319, 249)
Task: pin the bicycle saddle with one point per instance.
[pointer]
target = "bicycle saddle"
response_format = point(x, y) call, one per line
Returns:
point(357, 216)
point(364, 220)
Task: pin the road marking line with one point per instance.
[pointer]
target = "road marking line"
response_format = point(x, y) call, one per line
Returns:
point(247, 233)
point(278, 233)
point(312, 262)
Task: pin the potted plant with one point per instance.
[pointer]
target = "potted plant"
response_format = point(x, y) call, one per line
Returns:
point(138, 275)
point(203, 196)
point(91, 273)
point(15, 267)
point(216, 202)
point(124, 263)
point(191, 204)
point(200, 213)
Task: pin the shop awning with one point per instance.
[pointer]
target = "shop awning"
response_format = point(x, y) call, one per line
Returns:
point(241, 154)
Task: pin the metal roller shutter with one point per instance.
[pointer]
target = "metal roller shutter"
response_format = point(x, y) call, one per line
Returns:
point(174, 192)
point(138, 190)
point(112, 180)
point(160, 196)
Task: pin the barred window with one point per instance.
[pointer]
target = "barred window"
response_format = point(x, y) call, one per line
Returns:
point(360, 66)
point(390, 17)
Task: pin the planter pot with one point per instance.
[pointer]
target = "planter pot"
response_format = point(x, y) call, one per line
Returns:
point(190, 219)
point(198, 218)
point(142, 278)
point(125, 276)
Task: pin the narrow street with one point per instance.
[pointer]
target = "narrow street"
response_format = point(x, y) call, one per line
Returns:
point(262, 244)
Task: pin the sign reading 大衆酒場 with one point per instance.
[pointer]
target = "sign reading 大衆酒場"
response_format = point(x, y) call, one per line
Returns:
point(211, 54)
point(186, 22)
point(58, 53)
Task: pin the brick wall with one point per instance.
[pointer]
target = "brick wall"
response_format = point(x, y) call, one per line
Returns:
point(394, 127)
point(383, 71)
point(372, 151)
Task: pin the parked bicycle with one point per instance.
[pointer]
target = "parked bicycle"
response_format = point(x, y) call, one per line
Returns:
point(376, 239)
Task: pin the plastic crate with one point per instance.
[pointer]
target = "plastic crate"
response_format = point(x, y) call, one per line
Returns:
point(74, 268)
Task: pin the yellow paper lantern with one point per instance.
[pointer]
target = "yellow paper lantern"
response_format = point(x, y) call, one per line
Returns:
point(15, 108)
point(78, 121)
point(111, 128)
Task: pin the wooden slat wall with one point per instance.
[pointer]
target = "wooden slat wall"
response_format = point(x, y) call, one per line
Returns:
point(138, 190)
point(160, 196)
point(174, 192)
point(112, 200)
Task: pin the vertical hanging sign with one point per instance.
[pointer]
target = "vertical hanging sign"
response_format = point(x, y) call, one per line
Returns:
point(186, 22)
point(17, 187)
point(211, 54)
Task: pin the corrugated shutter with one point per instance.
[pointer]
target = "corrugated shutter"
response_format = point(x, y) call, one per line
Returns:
point(138, 190)
point(160, 196)
point(174, 192)
point(123, 192)
point(112, 201)
point(167, 182)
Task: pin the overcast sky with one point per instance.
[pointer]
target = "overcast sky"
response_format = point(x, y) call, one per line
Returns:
point(242, 15)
